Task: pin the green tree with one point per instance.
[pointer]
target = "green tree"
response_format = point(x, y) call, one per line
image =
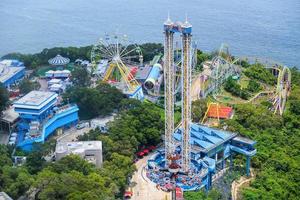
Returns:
point(259, 72)
point(277, 150)
point(234, 88)
point(94, 102)
point(244, 64)
point(295, 107)
point(199, 108)
point(35, 162)
point(213, 194)
point(26, 86)
point(254, 86)
point(149, 50)
point(81, 77)
point(72, 185)
point(4, 156)
point(121, 166)
point(72, 163)
point(4, 97)
point(201, 57)
point(15, 180)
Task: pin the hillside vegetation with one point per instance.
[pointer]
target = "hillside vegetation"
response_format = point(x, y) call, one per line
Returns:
point(277, 162)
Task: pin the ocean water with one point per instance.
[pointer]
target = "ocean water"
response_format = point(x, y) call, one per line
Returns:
point(260, 28)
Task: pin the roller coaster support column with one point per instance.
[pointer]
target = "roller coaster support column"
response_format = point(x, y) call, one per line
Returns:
point(169, 89)
point(186, 96)
point(248, 160)
point(231, 161)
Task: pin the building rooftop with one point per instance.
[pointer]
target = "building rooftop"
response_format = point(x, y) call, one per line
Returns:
point(53, 81)
point(35, 98)
point(244, 140)
point(65, 71)
point(11, 62)
point(204, 137)
point(58, 60)
point(220, 111)
point(77, 147)
point(9, 115)
point(8, 72)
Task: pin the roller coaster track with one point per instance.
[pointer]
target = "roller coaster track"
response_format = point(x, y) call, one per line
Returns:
point(283, 85)
point(281, 92)
point(244, 101)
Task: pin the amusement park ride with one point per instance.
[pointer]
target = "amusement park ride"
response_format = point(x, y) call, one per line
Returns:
point(222, 66)
point(192, 153)
point(186, 33)
point(217, 71)
point(121, 56)
point(283, 85)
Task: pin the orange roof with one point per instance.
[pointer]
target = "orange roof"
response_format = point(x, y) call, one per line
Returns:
point(224, 112)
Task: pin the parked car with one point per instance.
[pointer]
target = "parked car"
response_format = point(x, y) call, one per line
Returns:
point(128, 194)
point(14, 134)
point(82, 125)
point(146, 151)
point(140, 154)
point(151, 148)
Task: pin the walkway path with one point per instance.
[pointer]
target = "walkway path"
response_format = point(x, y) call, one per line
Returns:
point(237, 185)
point(144, 189)
point(195, 88)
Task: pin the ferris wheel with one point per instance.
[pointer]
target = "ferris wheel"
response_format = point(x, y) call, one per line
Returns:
point(119, 54)
point(116, 48)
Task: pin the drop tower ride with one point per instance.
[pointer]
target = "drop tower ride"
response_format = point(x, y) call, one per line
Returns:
point(169, 77)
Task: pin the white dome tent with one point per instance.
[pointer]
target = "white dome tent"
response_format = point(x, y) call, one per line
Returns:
point(59, 60)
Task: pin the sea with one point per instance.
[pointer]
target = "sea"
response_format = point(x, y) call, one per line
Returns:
point(267, 29)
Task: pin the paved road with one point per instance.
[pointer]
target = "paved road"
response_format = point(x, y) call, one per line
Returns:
point(195, 88)
point(4, 138)
point(144, 188)
point(242, 182)
point(72, 134)
point(44, 84)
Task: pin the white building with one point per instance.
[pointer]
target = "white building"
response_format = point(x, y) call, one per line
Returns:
point(91, 151)
point(57, 88)
point(54, 81)
point(58, 74)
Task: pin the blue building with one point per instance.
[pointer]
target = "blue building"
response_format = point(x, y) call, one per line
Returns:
point(211, 149)
point(11, 71)
point(40, 117)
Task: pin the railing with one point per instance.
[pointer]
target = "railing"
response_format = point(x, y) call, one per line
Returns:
point(243, 151)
